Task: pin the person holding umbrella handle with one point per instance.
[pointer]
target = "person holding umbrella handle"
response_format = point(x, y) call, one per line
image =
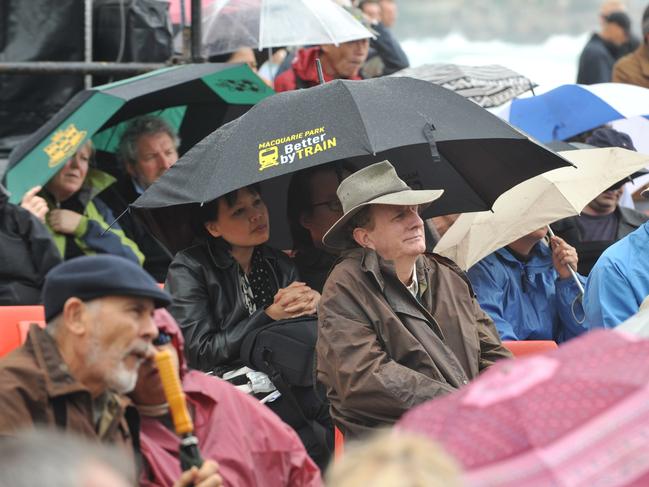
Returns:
point(531, 289)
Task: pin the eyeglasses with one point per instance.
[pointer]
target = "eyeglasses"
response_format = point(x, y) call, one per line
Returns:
point(333, 205)
point(162, 339)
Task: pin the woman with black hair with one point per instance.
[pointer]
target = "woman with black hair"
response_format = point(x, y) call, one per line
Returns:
point(232, 283)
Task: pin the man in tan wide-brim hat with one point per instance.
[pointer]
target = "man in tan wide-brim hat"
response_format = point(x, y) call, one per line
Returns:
point(396, 326)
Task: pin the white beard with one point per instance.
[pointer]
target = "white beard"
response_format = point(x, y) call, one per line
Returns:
point(122, 380)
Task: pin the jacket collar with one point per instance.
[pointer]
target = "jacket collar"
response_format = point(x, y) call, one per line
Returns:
point(59, 381)
point(396, 294)
point(540, 257)
point(305, 66)
point(224, 260)
point(96, 182)
point(373, 264)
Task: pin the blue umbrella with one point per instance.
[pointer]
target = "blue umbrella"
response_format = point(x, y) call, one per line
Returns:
point(569, 110)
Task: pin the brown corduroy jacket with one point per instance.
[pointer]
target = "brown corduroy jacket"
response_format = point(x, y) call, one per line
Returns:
point(37, 389)
point(381, 351)
point(633, 68)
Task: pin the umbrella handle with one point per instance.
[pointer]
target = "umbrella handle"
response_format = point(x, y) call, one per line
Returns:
point(572, 271)
point(318, 66)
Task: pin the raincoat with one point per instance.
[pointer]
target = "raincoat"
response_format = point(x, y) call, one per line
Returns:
point(303, 72)
point(252, 446)
point(89, 237)
point(527, 300)
point(619, 282)
point(381, 351)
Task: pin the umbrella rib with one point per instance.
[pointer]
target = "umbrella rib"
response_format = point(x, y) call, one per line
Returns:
point(360, 114)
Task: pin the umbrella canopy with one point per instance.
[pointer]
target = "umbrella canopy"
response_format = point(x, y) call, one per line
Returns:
point(569, 110)
point(538, 202)
point(231, 24)
point(199, 97)
point(489, 86)
point(576, 416)
point(434, 137)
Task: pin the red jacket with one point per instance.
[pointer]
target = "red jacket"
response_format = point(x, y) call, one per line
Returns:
point(252, 446)
point(303, 67)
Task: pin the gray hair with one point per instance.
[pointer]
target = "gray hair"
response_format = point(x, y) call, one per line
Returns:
point(57, 459)
point(146, 125)
point(54, 324)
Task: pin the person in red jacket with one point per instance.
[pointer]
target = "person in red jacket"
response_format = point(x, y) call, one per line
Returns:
point(251, 444)
point(343, 61)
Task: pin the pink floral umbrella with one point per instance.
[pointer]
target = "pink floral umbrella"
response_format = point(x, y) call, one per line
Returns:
point(577, 416)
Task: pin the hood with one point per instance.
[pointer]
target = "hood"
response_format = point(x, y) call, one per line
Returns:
point(96, 181)
point(540, 258)
point(304, 64)
point(167, 324)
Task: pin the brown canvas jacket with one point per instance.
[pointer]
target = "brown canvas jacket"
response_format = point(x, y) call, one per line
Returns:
point(34, 377)
point(633, 68)
point(381, 351)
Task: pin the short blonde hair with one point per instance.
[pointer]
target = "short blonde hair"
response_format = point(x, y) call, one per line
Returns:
point(394, 458)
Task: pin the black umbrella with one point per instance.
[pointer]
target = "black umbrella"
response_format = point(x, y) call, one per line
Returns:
point(434, 137)
point(195, 99)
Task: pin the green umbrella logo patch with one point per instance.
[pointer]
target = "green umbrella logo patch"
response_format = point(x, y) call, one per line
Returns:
point(286, 150)
point(64, 143)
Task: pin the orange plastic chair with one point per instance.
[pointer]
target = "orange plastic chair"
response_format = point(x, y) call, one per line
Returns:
point(521, 348)
point(12, 333)
point(339, 443)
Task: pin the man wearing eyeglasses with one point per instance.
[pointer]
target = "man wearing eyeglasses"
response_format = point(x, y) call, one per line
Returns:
point(603, 221)
point(313, 207)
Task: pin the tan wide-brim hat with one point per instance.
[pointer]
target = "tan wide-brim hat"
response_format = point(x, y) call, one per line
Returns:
point(377, 184)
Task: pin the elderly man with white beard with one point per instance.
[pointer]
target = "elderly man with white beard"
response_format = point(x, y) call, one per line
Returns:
point(73, 373)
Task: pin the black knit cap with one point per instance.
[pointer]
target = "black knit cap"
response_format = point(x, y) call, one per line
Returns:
point(96, 276)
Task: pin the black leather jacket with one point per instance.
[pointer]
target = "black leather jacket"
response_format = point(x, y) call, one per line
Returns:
point(209, 306)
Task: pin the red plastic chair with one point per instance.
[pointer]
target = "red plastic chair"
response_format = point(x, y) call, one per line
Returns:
point(522, 348)
point(12, 332)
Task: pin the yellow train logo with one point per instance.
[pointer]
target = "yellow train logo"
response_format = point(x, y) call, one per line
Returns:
point(64, 143)
point(268, 157)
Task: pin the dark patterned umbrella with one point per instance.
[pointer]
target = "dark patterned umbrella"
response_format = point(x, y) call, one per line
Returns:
point(489, 86)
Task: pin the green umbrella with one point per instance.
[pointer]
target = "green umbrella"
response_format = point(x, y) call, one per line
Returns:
point(195, 99)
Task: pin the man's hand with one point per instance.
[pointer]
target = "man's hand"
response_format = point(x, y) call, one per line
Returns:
point(295, 300)
point(206, 476)
point(563, 255)
point(63, 221)
point(35, 204)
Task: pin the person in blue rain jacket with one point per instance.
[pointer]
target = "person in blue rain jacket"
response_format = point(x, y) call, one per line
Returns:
point(528, 290)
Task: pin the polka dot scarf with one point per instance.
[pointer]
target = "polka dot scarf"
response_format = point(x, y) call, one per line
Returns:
point(258, 286)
